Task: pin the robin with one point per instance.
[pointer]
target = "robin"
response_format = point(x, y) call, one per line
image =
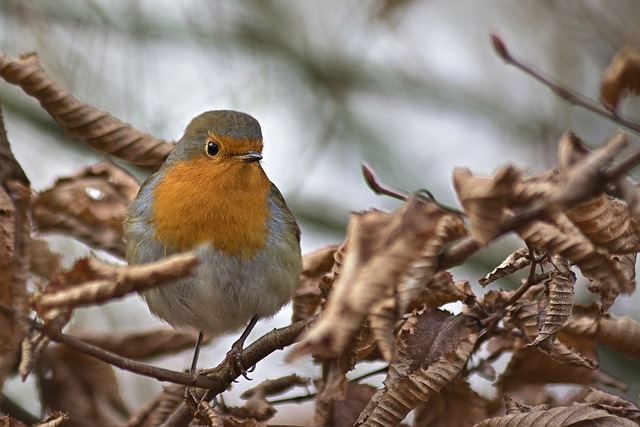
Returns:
point(212, 196)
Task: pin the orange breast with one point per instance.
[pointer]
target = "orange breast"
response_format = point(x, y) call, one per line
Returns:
point(223, 204)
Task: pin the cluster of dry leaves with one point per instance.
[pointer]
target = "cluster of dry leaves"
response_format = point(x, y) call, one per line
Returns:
point(375, 297)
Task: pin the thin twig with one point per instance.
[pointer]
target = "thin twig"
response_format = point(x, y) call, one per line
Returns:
point(226, 372)
point(374, 184)
point(531, 280)
point(160, 374)
point(563, 92)
point(310, 395)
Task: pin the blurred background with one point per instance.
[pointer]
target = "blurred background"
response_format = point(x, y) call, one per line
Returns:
point(412, 88)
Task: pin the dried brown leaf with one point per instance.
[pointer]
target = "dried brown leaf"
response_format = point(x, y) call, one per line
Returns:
point(83, 122)
point(526, 317)
point(621, 334)
point(625, 264)
point(528, 366)
point(456, 398)
point(442, 289)
point(56, 419)
point(156, 411)
point(381, 246)
point(581, 176)
point(111, 282)
point(433, 347)
point(257, 407)
point(485, 200)
point(6, 421)
point(275, 387)
point(43, 261)
point(327, 281)
point(583, 322)
point(563, 238)
point(606, 222)
point(418, 279)
point(81, 386)
point(140, 345)
point(612, 403)
point(334, 385)
point(581, 415)
point(13, 272)
point(10, 168)
point(517, 261)
point(558, 309)
point(347, 410)
point(621, 78)
point(307, 296)
point(15, 251)
point(383, 317)
point(89, 205)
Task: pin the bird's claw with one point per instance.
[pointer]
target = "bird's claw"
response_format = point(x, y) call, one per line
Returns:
point(235, 356)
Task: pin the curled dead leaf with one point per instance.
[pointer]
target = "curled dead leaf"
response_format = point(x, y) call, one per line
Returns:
point(81, 121)
point(109, 282)
point(442, 289)
point(513, 263)
point(621, 78)
point(612, 403)
point(419, 278)
point(43, 261)
point(606, 222)
point(575, 415)
point(529, 366)
point(433, 348)
point(526, 317)
point(455, 398)
point(564, 238)
point(619, 333)
point(141, 344)
point(81, 386)
point(343, 412)
point(381, 247)
point(307, 296)
point(156, 411)
point(257, 407)
point(89, 205)
point(560, 302)
point(485, 200)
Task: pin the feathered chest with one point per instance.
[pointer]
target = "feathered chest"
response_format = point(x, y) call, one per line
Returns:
point(226, 206)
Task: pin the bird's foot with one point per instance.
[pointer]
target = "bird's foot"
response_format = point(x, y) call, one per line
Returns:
point(235, 357)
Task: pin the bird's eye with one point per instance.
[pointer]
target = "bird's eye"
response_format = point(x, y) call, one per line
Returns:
point(212, 148)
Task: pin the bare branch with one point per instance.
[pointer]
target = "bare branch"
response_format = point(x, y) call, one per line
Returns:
point(560, 90)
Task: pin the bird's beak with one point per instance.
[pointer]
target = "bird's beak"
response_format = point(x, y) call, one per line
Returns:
point(250, 156)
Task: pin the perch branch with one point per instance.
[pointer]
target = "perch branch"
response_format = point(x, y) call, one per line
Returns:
point(113, 359)
point(226, 373)
point(218, 379)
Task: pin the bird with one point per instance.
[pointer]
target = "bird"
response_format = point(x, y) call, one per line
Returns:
point(212, 196)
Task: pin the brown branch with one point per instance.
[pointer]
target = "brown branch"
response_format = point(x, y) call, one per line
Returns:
point(594, 170)
point(113, 359)
point(216, 381)
point(563, 92)
point(226, 371)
